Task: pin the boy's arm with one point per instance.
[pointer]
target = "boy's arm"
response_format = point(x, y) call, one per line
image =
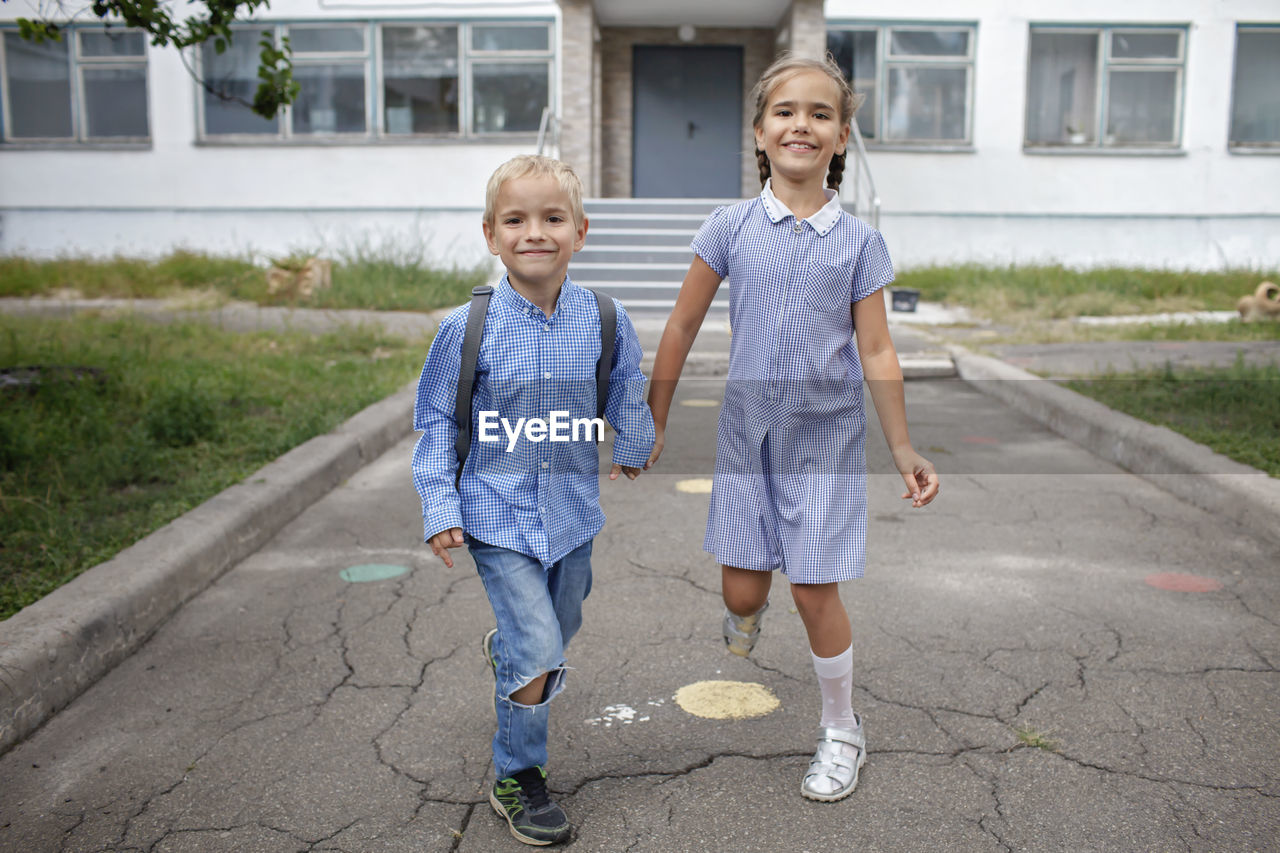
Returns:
point(435, 462)
point(626, 409)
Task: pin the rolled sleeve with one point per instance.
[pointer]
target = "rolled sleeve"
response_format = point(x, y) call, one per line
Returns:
point(626, 409)
point(435, 461)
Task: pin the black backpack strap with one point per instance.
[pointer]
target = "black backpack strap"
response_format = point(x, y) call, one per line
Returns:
point(608, 334)
point(467, 372)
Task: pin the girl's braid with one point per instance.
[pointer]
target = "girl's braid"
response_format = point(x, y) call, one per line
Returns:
point(835, 172)
point(765, 170)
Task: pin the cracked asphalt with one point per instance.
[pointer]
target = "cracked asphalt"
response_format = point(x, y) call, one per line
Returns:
point(1024, 687)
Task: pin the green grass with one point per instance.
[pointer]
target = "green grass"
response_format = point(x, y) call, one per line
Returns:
point(163, 417)
point(1010, 295)
point(384, 278)
point(1235, 411)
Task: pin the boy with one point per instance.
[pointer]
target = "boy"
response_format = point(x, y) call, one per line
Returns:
point(527, 504)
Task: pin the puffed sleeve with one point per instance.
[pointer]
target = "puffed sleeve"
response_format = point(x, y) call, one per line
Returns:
point(874, 269)
point(711, 243)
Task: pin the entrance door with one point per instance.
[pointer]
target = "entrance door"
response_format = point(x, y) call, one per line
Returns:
point(687, 109)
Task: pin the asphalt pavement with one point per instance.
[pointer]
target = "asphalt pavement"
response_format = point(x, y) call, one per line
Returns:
point(1055, 655)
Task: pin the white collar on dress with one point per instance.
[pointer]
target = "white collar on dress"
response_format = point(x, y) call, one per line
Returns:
point(822, 221)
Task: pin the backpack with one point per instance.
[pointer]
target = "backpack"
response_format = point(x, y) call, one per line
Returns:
point(471, 351)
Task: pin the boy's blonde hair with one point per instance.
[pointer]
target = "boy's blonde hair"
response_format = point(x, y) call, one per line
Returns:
point(783, 69)
point(535, 166)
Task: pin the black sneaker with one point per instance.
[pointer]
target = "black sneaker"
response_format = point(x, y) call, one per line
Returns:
point(522, 799)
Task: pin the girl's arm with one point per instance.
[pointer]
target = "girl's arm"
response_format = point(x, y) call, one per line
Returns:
point(884, 378)
point(699, 288)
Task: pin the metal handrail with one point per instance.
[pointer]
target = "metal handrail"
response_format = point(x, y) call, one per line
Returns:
point(861, 167)
point(548, 130)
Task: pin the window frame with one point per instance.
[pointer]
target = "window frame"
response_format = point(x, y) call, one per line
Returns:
point(1272, 148)
point(1104, 34)
point(375, 100)
point(884, 64)
point(77, 63)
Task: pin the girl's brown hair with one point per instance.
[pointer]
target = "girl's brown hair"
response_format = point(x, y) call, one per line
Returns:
point(784, 68)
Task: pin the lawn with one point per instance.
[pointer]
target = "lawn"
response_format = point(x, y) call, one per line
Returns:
point(1235, 411)
point(126, 424)
point(385, 279)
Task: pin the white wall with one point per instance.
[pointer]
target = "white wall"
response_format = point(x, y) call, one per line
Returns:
point(1186, 208)
point(269, 198)
point(1200, 207)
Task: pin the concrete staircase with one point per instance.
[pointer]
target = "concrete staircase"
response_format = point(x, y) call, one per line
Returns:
point(638, 249)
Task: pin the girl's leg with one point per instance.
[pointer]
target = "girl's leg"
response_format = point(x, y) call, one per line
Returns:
point(833, 772)
point(746, 595)
point(825, 619)
point(745, 591)
point(831, 644)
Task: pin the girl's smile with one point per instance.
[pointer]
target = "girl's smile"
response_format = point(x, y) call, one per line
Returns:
point(801, 129)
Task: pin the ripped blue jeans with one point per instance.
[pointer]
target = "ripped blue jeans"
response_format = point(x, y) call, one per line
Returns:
point(538, 611)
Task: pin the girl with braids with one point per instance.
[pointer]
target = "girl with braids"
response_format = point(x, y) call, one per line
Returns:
point(789, 490)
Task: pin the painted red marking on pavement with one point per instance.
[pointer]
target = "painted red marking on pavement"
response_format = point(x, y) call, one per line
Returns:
point(1182, 582)
point(979, 439)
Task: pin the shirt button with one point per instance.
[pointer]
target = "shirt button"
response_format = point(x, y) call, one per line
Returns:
point(546, 375)
point(545, 464)
point(796, 226)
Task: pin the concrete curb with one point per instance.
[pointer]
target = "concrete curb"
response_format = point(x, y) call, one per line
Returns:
point(53, 650)
point(1171, 461)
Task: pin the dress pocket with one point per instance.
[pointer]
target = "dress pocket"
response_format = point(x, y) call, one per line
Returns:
point(829, 288)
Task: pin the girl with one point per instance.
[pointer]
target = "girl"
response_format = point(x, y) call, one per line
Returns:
point(789, 490)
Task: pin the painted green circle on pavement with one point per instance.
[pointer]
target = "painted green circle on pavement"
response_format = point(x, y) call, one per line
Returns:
point(372, 572)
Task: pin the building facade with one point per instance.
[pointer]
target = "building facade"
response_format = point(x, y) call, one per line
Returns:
point(1085, 133)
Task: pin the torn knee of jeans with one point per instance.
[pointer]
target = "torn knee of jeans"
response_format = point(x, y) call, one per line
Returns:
point(555, 683)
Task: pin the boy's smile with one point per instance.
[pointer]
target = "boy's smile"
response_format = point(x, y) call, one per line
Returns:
point(801, 129)
point(534, 234)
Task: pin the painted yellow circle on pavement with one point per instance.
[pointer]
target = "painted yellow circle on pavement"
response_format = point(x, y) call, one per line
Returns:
point(700, 404)
point(697, 486)
point(727, 700)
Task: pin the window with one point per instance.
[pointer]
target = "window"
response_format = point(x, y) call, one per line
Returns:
point(1107, 87)
point(1255, 89)
point(918, 81)
point(369, 82)
point(90, 87)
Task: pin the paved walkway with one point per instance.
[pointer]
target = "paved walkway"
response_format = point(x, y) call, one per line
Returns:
point(1056, 655)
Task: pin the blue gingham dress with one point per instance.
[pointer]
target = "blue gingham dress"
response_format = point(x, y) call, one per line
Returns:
point(790, 483)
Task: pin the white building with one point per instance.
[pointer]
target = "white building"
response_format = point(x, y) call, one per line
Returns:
point(1092, 132)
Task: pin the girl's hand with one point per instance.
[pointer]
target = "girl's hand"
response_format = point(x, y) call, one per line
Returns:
point(660, 435)
point(631, 472)
point(919, 475)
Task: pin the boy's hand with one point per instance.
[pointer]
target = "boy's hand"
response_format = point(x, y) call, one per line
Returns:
point(443, 541)
point(659, 439)
point(631, 472)
point(919, 475)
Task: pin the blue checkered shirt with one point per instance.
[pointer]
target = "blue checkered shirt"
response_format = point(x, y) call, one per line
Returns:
point(542, 498)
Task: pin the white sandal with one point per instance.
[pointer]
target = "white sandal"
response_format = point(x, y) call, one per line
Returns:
point(741, 632)
point(833, 771)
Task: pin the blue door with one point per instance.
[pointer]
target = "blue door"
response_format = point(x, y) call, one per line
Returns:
point(687, 113)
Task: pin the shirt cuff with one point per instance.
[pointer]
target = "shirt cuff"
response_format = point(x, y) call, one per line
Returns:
point(632, 457)
point(440, 520)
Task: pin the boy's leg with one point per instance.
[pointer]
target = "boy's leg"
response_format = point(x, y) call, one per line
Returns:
point(833, 772)
point(746, 595)
point(528, 658)
point(527, 649)
point(568, 584)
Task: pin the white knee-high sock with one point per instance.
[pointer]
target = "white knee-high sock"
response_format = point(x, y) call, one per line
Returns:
point(835, 677)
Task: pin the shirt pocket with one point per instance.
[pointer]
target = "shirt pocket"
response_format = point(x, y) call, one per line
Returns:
point(829, 288)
